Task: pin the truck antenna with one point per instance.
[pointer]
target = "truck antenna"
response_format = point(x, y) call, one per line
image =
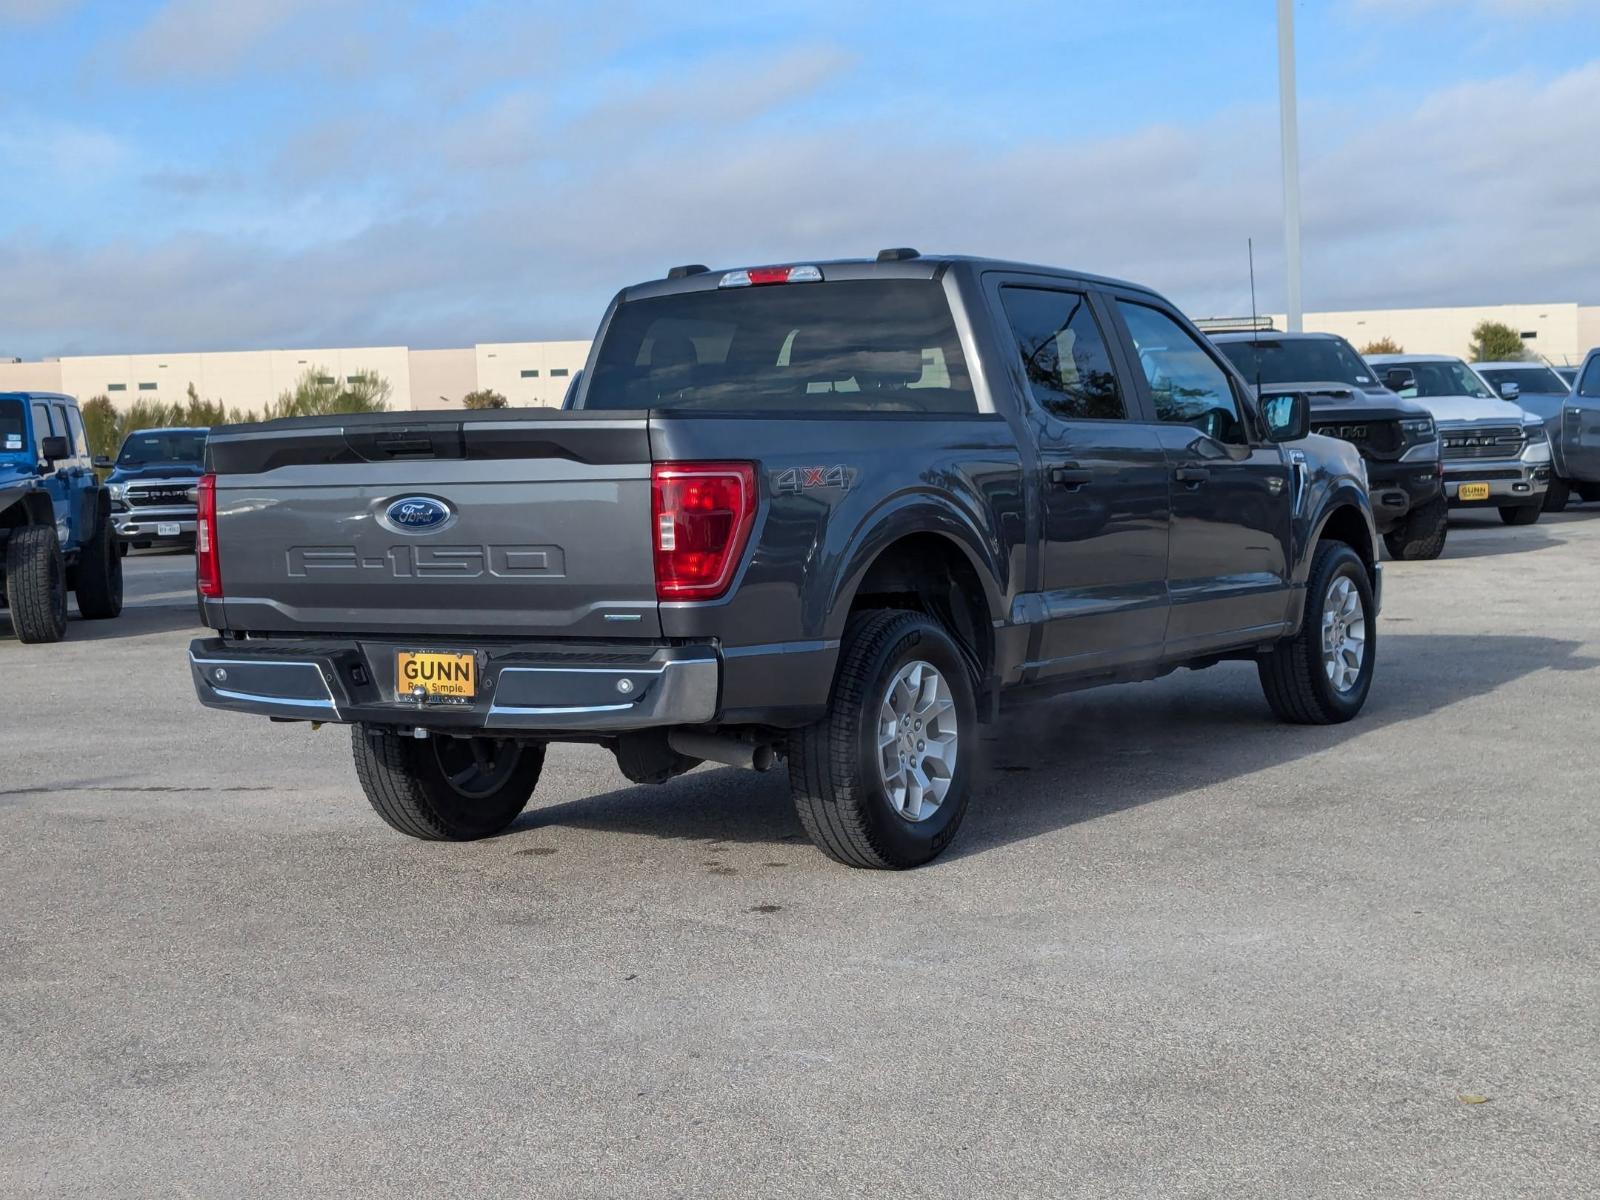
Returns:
point(1255, 321)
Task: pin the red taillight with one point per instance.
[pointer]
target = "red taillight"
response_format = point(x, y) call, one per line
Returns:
point(207, 567)
point(701, 514)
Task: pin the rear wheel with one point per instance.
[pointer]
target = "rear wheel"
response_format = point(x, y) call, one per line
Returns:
point(884, 779)
point(1322, 674)
point(36, 584)
point(1557, 495)
point(1421, 535)
point(1589, 491)
point(1522, 514)
point(99, 582)
point(445, 789)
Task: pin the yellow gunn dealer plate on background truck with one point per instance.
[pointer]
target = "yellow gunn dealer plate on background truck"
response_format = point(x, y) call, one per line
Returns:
point(1473, 491)
point(450, 676)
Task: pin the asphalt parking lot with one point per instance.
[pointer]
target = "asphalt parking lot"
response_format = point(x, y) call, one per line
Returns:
point(1178, 950)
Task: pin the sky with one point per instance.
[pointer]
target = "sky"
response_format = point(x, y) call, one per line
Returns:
point(199, 175)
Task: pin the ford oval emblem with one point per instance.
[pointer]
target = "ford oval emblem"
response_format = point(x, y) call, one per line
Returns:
point(416, 514)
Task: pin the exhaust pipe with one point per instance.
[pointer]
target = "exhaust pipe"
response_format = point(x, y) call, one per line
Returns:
point(716, 747)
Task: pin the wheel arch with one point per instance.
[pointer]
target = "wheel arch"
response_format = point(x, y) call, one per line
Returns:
point(928, 558)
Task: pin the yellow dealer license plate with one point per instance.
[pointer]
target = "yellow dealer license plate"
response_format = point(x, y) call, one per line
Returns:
point(1473, 491)
point(454, 676)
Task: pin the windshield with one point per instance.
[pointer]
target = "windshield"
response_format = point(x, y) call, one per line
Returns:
point(1540, 380)
point(1440, 379)
point(1299, 360)
point(152, 446)
point(871, 345)
point(12, 432)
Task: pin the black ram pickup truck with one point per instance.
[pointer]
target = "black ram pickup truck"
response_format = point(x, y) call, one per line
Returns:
point(833, 514)
point(1397, 437)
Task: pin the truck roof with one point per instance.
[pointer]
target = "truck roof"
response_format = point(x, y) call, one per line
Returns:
point(73, 400)
point(908, 265)
point(1272, 335)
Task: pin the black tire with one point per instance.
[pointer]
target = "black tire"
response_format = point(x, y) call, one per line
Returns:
point(1589, 491)
point(1522, 514)
point(1294, 675)
point(1420, 537)
point(407, 782)
point(99, 581)
point(834, 774)
point(1558, 495)
point(36, 584)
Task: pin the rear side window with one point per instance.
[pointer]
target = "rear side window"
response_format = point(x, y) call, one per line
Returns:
point(1063, 354)
point(871, 345)
point(1186, 384)
point(1589, 385)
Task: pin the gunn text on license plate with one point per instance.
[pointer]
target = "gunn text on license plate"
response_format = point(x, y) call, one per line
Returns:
point(453, 676)
point(1473, 491)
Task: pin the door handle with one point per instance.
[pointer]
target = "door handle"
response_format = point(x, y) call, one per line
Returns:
point(1070, 476)
point(1193, 476)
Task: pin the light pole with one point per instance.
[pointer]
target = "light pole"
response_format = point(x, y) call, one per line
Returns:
point(1291, 159)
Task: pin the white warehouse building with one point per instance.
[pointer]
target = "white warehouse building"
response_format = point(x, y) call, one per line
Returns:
point(1560, 334)
point(527, 374)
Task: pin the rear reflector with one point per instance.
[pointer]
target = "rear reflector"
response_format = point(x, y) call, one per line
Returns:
point(760, 276)
point(701, 514)
point(207, 564)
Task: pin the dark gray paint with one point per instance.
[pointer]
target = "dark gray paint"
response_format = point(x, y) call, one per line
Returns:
point(1131, 573)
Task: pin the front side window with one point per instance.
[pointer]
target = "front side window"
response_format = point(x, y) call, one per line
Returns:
point(1589, 385)
point(80, 440)
point(1063, 355)
point(868, 345)
point(1187, 385)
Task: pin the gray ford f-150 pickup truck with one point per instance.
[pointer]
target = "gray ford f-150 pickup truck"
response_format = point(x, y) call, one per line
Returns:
point(832, 513)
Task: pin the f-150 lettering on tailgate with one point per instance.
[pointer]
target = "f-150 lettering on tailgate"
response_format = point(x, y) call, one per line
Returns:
point(433, 562)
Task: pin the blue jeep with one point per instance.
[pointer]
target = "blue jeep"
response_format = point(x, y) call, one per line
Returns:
point(55, 519)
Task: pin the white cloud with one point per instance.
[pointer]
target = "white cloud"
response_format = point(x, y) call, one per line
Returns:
point(1475, 194)
point(207, 38)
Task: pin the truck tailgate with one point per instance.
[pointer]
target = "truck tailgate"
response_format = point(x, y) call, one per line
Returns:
point(522, 524)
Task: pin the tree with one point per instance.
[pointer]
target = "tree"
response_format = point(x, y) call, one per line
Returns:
point(485, 398)
point(318, 394)
point(102, 425)
point(1383, 345)
point(208, 412)
point(1495, 341)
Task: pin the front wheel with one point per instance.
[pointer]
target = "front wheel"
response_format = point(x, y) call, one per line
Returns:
point(883, 780)
point(36, 584)
point(445, 789)
point(1421, 535)
point(1321, 675)
point(1558, 495)
point(1522, 514)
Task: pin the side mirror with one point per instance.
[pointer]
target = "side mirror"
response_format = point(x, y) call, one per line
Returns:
point(1510, 391)
point(54, 449)
point(1399, 378)
point(103, 463)
point(1288, 416)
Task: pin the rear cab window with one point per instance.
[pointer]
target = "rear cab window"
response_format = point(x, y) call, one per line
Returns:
point(881, 346)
